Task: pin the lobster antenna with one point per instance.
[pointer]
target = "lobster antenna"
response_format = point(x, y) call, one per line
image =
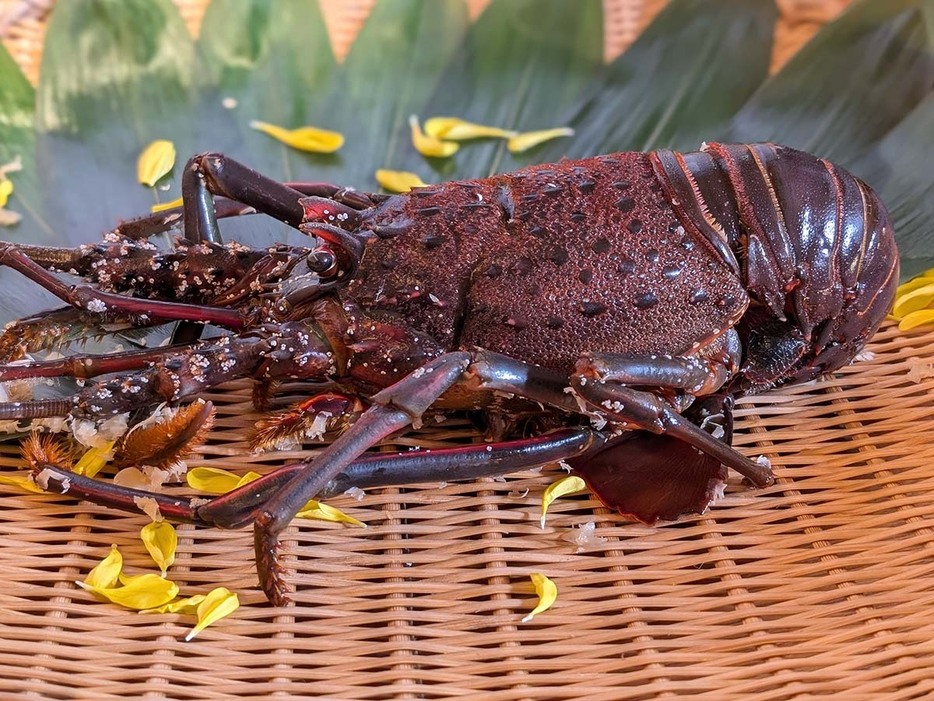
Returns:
point(35, 409)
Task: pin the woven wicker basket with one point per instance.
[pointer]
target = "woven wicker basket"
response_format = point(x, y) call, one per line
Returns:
point(821, 585)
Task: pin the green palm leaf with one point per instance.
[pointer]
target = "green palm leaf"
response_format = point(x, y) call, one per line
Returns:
point(520, 66)
point(115, 76)
point(251, 59)
point(900, 166)
point(679, 83)
point(850, 85)
point(17, 133)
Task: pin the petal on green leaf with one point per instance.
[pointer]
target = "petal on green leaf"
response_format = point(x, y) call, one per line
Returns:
point(18, 144)
point(303, 138)
point(398, 180)
point(427, 145)
point(412, 41)
point(6, 189)
point(22, 220)
point(457, 129)
point(533, 58)
point(249, 52)
point(163, 206)
point(155, 162)
point(523, 141)
point(119, 75)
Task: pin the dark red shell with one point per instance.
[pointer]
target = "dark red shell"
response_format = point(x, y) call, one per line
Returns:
point(548, 262)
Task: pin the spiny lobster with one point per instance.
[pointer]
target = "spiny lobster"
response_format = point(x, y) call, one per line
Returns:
point(617, 304)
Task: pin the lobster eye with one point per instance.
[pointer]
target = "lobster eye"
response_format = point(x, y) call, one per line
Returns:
point(322, 261)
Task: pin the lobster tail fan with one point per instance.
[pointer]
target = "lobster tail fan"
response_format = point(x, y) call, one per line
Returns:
point(659, 478)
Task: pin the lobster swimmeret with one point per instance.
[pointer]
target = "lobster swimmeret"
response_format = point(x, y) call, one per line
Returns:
point(617, 304)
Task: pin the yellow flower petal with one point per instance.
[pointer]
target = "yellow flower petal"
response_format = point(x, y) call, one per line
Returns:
point(125, 579)
point(456, 129)
point(214, 480)
point(216, 605)
point(94, 459)
point(913, 301)
point(568, 485)
point(398, 180)
point(322, 512)
point(162, 206)
point(429, 145)
point(106, 573)
point(913, 284)
point(186, 606)
point(303, 138)
point(526, 140)
point(23, 480)
point(547, 594)
point(915, 319)
point(247, 478)
point(6, 189)
point(155, 162)
point(161, 541)
point(144, 591)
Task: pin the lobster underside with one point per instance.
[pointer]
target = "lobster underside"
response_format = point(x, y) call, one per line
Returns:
point(643, 411)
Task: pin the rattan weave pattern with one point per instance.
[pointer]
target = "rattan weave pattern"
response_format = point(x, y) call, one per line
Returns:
point(819, 586)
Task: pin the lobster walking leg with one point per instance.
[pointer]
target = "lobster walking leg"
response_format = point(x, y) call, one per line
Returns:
point(90, 299)
point(404, 402)
point(236, 508)
point(393, 408)
point(647, 411)
point(38, 332)
point(88, 365)
point(188, 371)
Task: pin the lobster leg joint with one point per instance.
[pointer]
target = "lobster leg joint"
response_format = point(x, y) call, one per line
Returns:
point(629, 407)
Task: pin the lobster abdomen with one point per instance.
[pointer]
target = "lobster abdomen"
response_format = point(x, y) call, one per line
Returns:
point(816, 249)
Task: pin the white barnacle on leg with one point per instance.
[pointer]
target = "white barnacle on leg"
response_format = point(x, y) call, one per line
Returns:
point(97, 306)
